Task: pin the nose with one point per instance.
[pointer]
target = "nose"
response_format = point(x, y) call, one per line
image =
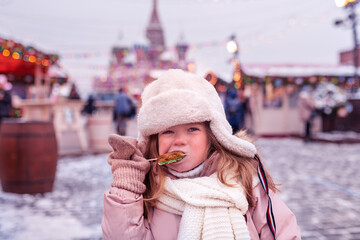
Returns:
point(180, 139)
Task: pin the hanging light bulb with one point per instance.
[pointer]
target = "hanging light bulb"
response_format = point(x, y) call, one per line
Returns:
point(6, 53)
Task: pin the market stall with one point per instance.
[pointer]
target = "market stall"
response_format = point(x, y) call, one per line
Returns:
point(273, 91)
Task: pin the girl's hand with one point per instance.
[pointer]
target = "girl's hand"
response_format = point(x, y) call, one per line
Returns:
point(124, 147)
point(128, 165)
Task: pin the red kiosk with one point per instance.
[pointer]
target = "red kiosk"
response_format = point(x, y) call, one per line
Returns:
point(25, 66)
point(28, 149)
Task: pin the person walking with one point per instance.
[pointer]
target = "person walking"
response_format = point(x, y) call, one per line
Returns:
point(121, 111)
point(217, 189)
point(234, 110)
point(306, 108)
point(90, 106)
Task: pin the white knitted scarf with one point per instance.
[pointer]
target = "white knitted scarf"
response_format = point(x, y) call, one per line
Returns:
point(209, 209)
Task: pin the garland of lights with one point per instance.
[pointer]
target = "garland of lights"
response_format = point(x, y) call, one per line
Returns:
point(17, 51)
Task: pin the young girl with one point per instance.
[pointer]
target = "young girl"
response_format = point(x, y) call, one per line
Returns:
point(219, 190)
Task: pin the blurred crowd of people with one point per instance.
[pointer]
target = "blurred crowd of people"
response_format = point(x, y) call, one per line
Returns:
point(124, 109)
point(312, 101)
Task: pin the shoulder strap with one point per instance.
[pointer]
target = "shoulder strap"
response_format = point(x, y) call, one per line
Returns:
point(269, 213)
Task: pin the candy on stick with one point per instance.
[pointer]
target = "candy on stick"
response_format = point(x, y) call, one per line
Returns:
point(169, 158)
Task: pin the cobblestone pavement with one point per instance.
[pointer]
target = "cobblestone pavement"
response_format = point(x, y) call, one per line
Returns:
point(320, 185)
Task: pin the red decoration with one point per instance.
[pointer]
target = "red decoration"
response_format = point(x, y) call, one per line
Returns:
point(19, 60)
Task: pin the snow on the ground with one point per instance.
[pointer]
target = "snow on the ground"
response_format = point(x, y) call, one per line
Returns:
point(73, 210)
point(338, 135)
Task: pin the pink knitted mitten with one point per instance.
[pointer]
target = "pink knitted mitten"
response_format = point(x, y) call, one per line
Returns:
point(128, 165)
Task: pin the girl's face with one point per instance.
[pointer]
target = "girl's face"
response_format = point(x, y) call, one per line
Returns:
point(189, 138)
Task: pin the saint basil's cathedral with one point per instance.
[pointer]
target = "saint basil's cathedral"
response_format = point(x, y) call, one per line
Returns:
point(134, 67)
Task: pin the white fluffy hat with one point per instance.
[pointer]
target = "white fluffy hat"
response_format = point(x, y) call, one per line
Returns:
point(179, 97)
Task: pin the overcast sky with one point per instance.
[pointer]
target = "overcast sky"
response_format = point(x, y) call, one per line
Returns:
point(268, 31)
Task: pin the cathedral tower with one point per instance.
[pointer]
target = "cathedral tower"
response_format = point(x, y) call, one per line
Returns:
point(155, 34)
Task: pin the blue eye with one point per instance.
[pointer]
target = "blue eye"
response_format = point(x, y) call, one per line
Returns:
point(167, 132)
point(193, 129)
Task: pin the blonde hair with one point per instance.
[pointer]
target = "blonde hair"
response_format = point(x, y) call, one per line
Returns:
point(242, 168)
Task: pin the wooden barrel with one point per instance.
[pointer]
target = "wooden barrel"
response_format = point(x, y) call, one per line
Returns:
point(28, 156)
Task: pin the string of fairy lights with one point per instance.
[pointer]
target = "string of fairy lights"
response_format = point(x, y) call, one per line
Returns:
point(254, 40)
point(17, 51)
point(9, 48)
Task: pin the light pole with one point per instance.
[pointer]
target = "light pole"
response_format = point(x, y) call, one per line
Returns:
point(351, 5)
point(232, 47)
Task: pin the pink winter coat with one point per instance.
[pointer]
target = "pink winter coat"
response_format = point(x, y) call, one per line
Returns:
point(123, 218)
